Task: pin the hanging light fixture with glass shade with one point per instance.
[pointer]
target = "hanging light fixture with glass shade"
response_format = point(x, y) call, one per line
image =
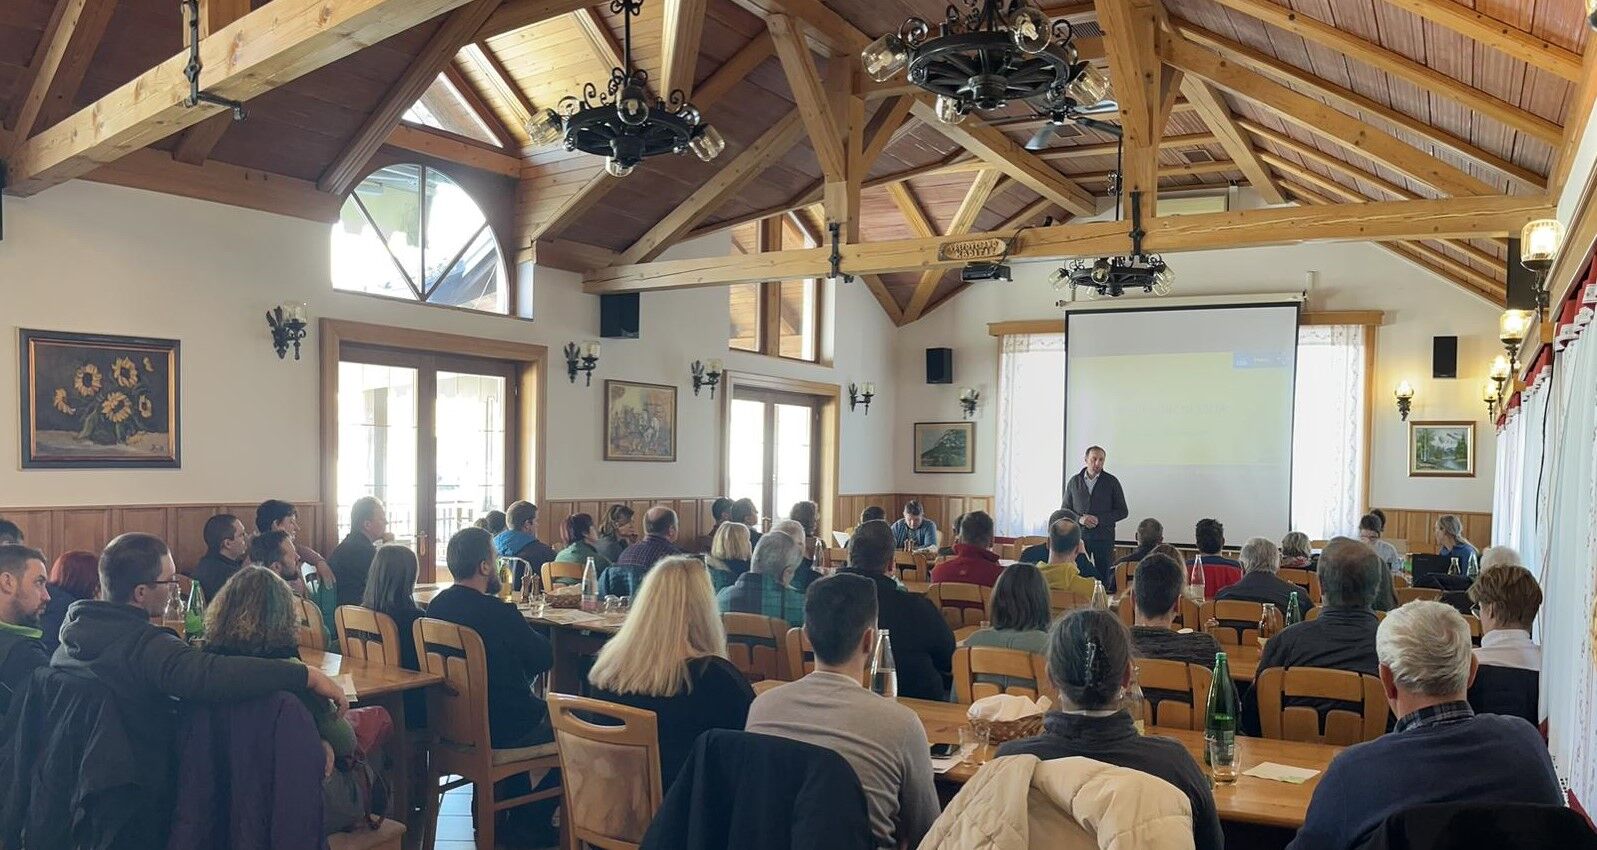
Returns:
point(625, 123)
point(1539, 243)
point(1113, 276)
point(1512, 328)
point(994, 52)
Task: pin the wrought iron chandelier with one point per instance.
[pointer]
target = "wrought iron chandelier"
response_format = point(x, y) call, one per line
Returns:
point(995, 52)
point(621, 123)
point(1113, 276)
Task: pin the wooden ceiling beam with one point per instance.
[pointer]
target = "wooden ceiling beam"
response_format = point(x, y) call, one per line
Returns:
point(884, 128)
point(1134, 66)
point(884, 297)
point(1027, 214)
point(197, 142)
point(1217, 115)
point(1491, 32)
point(909, 206)
point(1447, 218)
point(828, 32)
point(1427, 78)
point(681, 31)
point(1169, 95)
point(59, 62)
point(1575, 121)
point(474, 154)
point(515, 14)
point(220, 182)
point(1183, 141)
point(976, 197)
point(798, 65)
point(1315, 155)
point(1008, 156)
point(457, 29)
point(499, 78)
point(479, 105)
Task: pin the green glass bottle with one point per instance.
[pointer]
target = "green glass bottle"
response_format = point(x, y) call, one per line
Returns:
point(194, 618)
point(1294, 609)
point(1220, 724)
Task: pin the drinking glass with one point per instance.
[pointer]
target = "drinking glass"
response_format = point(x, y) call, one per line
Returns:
point(972, 744)
point(623, 604)
point(1222, 758)
point(610, 603)
point(535, 604)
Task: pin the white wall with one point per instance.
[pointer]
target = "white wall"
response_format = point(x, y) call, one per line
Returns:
point(1348, 276)
point(94, 258)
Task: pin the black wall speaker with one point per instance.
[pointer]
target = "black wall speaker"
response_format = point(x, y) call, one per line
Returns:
point(1521, 281)
point(1444, 357)
point(939, 365)
point(618, 316)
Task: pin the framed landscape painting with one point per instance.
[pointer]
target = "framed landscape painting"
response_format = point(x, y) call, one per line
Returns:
point(1441, 449)
point(945, 446)
point(640, 422)
point(98, 402)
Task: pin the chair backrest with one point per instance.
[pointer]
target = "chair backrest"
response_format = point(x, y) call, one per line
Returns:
point(1405, 595)
point(614, 770)
point(1174, 693)
point(1474, 628)
point(1016, 666)
point(836, 558)
point(903, 559)
point(800, 655)
point(558, 573)
point(311, 634)
point(1125, 574)
point(457, 710)
point(1007, 551)
point(1238, 621)
point(368, 635)
point(1060, 601)
point(962, 604)
point(1342, 726)
point(1030, 540)
point(755, 644)
point(1309, 581)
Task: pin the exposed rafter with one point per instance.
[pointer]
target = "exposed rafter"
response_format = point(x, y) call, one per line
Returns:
point(479, 105)
point(59, 63)
point(515, 14)
point(1134, 67)
point(904, 198)
point(1188, 140)
point(1007, 155)
point(681, 30)
point(964, 219)
point(1217, 115)
point(448, 146)
point(1491, 32)
point(197, 142)
point(798, 65)
point(503, 84)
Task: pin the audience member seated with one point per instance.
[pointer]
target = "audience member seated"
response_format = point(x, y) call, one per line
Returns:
point(1260, 583)
point(624, 576)
point(1219, 572)
point(255, 616)
point(10, 533)
point(873, 512)
point(806, 572)
point(1295, 552)
point(352, 558)
point(278, 515)
point(582, 543)
point(226, 545)
point(1371, 526)
point(1440, 751)
point(274, 551)
point(75, 575)
point(719, 509)
point(744, 511)
point(1090, 664)
point(391, 590)
point(670, 658)
point(915, 529)
point(23, 597)
point(1506, 599)
point(974, 560)
point(729, 554)
point(615, 533)
point(1450, 540)
point(883, 741)
point(1150, 533)
point(760, 590)
point(1157, 588)
point(808, 515)
point(516, 655)
point(1065, 554)
point(1037, 553)
point(520, 540)
point(1021, 614)
point(1342, 637)
point(494, 521)
point(922, 643)
point(1493, 556)
point(947, 550)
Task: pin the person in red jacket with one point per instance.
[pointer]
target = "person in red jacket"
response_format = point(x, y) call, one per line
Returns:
point(974, 560)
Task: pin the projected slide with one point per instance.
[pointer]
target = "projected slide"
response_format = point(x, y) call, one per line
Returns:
point(1194, 407)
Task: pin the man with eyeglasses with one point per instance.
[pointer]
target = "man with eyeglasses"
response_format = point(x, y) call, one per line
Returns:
point(22, 600)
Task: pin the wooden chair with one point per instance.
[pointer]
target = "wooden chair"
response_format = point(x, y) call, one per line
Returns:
point(801, 656)
point(1174, 693)
point(1343, 727)
point(1014, 664)
point(457, 711)
point(1030, 540)
point(1060, 601)
point(902, 559)
point(962, 604)
point(919, 570)
point(1474, 628)
point(1230, 613)
point(1125, 573)
point(368, 635)
point(1405, 595)
point(755, 644)
point(1310, 582)
point(311, 633)
point(557, 573)
point(836, 558)
point(610, 775)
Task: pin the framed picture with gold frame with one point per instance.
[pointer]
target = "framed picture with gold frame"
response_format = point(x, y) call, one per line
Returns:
point(640, 422)
point(94, 401)
point(1441, 449)
point(945, 447)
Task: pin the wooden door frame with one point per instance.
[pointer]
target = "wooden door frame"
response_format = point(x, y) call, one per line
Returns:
point(531, 368)
point(830, 448)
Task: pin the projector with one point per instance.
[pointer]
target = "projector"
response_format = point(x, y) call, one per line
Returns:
point(984, 272)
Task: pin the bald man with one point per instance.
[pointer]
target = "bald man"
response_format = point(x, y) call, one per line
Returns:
point(626, 574)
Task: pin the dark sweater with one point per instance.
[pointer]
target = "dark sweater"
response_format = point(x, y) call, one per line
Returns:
point(1484, 759)
point(213, 571)
point(20, 654)
point(55, 613)
point(1106, 501)
point(1191, 647)
point(923, 645)
point(351, 561)
point(717, 697)
point(1266, 587)
point(1339, 639)
point(1113, 740)
point(516, 656)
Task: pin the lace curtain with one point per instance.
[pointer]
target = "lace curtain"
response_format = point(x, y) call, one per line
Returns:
point(1031, 432)
point(1328, 431)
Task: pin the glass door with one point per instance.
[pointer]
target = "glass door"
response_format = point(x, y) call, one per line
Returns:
point(772, 440)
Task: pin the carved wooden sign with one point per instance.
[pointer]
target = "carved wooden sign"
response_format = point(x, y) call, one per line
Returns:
point(969, 250)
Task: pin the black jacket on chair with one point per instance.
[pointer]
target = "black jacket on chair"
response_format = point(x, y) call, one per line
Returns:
point(1506, 690)
point(1503, 826)
point(760, 792)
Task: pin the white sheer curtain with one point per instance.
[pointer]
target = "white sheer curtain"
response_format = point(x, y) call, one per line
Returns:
point(1328, 431)
point(1031, 431)
point(1510, 471)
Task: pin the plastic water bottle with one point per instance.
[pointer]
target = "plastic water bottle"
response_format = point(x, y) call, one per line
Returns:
point(1195, 581)
point(884, 673)
point(1100, 599)
point(590, 587)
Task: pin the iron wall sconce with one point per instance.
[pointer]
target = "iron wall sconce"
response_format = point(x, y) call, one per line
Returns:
point(1405, 399)
point(861, 397)
point(589, 357)
point(1490, 390)
point(705, 377)
point(1540, 241)
point(968, 397)
point(1512, 328)
point(287, 322)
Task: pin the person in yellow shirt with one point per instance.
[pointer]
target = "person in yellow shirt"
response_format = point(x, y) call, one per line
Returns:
point(1064, 545)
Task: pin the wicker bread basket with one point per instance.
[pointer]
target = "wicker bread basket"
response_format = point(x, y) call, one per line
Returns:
point(569, 596)
point(1000, 731)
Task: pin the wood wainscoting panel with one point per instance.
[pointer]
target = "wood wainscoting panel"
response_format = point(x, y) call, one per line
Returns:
point(693, 516)
point(850, 506)
point(1417, 527)
point(941, 508)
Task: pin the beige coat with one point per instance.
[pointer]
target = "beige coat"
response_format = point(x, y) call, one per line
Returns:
point(1025, 803)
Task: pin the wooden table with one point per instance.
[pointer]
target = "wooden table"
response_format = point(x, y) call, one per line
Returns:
point(573, 636)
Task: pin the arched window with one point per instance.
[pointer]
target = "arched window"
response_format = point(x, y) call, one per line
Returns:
point(408, 231)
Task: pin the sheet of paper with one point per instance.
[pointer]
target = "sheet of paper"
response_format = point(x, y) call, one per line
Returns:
point(947, 764)
point(841, 538)
point(347, 682)
point(1280, 772)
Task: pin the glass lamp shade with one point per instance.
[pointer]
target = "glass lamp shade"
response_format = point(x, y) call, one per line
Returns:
point(1539, 243)
point(1163, 280)
point(1089, 87)
point(948, 110)
point(1489, 390)
point(708, 144)
point(1513, 325)
point(1029, 29)
point(615, 168)
point(546, 129)
point(1500, 368)
point(633, 106)
point(1100, 271)
point(884, 57)
point(1404, 390)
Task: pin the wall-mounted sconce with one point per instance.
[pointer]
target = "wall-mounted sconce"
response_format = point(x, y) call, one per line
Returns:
point(588, 356)
point(1405, 399)
point(287, 322)
point(858, 396)
point(1489, 394)
point(1512, 327)
point(1498, 374)
point(705, 376)
point(968, 396)
point(1539, 242)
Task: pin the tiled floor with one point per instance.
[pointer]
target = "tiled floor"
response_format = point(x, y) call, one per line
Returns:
point(454, 821)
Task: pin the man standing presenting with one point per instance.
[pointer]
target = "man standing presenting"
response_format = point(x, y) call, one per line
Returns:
point(1096, 497)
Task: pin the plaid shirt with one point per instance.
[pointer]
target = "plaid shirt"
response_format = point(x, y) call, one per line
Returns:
point(625, 576)
point(753, 593)
point(1434, 715)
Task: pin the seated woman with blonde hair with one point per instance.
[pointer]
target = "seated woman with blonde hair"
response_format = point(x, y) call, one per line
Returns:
point(730, 551)
point(670, 658)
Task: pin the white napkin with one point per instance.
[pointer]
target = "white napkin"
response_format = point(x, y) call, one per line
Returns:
point(1281, 772)
point(999, 708)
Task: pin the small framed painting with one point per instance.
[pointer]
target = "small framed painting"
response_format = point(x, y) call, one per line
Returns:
point(640, 422)
point(98, 402)
point(1441, 449)
point(945, 447)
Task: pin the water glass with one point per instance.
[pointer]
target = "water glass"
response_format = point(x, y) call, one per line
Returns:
point(972, 744)
point(623, 604)
point(1222, 758)
point(610, 603)
point(535, 604)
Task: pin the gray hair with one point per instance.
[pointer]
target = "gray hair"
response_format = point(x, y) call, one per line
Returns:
point(1350, 573)
point(790, 528)
point(1496, 556)
point(1426, 646)
point(775, 554)
point(1260, 555)
point(1296, 544)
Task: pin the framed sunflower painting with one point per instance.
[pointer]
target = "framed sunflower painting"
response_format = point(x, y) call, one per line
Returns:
point(99, 402)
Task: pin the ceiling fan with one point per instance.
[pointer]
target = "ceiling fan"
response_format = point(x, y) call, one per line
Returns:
point(1084, 117)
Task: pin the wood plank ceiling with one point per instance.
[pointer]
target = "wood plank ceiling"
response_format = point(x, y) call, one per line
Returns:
point(1480, 108)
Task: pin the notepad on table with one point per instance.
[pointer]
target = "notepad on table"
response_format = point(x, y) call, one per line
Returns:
point(1280, 772)
point(347, 682)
